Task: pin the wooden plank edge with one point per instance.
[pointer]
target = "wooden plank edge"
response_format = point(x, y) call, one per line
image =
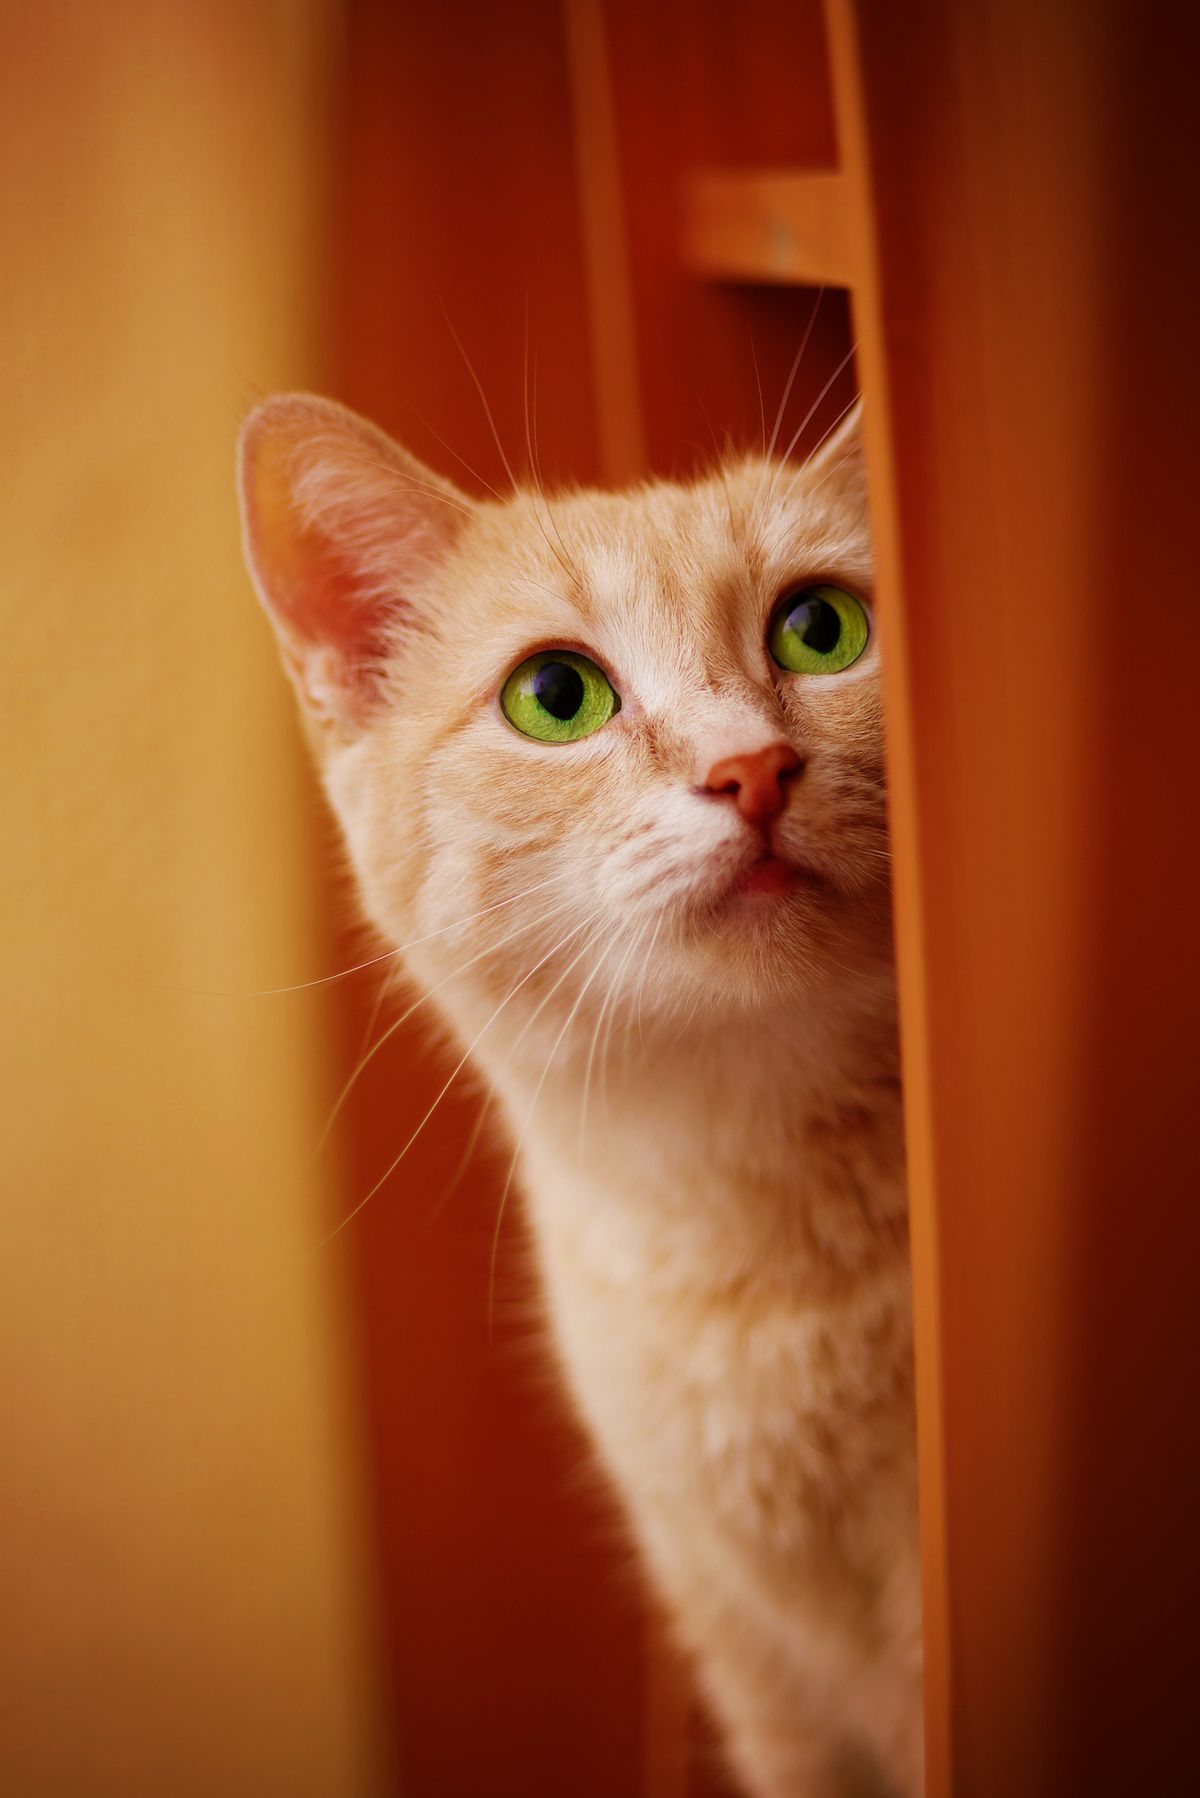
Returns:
point(782, 227)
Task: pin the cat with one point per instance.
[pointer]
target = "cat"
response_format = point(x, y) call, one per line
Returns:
point(610, 772)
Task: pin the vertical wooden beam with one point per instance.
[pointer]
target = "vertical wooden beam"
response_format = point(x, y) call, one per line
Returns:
point(1029, 349)
point(852, 125)
point(605, 244)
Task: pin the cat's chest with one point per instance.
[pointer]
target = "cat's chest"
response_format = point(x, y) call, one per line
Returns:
point(709, 1356)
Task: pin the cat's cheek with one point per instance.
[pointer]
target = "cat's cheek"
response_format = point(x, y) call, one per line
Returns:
point(374, 823)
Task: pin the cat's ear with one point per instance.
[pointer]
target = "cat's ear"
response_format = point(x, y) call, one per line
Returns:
point(840, 462)
point(342, 528)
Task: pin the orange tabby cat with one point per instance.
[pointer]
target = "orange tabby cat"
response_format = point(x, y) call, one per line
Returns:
point(611, 770)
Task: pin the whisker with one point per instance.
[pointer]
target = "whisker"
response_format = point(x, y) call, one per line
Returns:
point(376, 1008)
point(487, 410)
point(460, 1065)
point(301, 986)
point(641, 985)
point(531, 452)
point(366, 1051)
point(845, 362)
point(409, 1011)
point(762, 411)
point(464, 1161)
point(772, 544)
point(787, 391)
point(559, 553)
point(823, 439)
point(516, 1156)
point(719, 460)
point(833, 469)
point(398, 474)
point(591, 1056)
point(460, 459)
point(634, 942)
point(564, 559)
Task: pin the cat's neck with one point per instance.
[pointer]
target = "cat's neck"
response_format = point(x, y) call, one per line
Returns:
point(804, 1054)
point(774, 1137)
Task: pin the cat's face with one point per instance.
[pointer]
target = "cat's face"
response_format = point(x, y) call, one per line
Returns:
point(672, 814)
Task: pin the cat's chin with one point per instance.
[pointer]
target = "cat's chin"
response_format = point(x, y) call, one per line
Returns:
point(778, 925)
point(757, 922)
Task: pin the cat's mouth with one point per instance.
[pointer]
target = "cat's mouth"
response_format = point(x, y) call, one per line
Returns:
point(770, 876)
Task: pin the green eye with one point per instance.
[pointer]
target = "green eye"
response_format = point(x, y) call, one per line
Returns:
point(558, 697)
point(818, 630)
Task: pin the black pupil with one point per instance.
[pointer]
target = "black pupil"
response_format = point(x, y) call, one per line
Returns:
point(558, 689)
point(817, 624)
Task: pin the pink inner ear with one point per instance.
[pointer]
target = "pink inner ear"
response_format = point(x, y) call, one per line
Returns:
point(316, 584)
point(343, 528)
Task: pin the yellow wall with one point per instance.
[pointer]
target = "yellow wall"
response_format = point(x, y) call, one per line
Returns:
point(181, 1556)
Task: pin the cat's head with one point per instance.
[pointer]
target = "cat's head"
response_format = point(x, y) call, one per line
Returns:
point(627, 743)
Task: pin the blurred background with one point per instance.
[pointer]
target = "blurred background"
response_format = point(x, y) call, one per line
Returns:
point(290, 1511)
point(284, 1514)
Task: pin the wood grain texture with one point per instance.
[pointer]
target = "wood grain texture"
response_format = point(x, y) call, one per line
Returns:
point(1030, 362)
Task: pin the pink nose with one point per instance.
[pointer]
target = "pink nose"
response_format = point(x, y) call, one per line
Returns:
point(756, 780)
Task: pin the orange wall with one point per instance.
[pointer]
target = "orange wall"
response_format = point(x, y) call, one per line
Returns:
point(183, 1586)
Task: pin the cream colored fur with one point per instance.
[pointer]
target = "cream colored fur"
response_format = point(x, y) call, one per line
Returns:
point(703, 1089)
